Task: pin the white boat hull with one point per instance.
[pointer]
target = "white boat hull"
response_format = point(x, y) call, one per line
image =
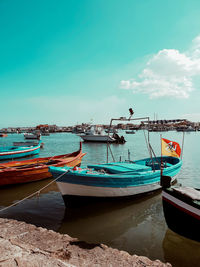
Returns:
point(97, 138)
point(31, 136)
point(68, 189)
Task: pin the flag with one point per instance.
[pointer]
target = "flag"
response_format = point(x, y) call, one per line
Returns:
point(170, 148)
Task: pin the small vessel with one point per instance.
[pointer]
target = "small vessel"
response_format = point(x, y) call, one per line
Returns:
point(185, 129)
point(13, 152)
point(130, 132)
point(97, 134)
point(181, 206)
point(3, 135)
point(45, 133)
point(17, 172)
point(35, 135)
point(119, 179)
point(27, 143)
point(112, 130)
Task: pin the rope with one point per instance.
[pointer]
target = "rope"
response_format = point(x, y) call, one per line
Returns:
point(33, 194)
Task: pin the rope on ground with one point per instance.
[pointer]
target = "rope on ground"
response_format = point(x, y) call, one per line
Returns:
point(33, 194)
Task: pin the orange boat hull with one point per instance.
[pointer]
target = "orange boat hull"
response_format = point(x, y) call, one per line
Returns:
point(18, 172)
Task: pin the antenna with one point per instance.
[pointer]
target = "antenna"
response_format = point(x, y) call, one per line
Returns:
point(131, 112)
point(129, 119)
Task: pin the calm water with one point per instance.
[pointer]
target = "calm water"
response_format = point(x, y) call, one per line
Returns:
point(136, 225)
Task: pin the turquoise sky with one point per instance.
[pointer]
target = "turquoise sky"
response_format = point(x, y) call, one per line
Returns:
point(67, 62)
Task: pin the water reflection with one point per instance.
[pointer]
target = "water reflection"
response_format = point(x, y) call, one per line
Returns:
point(45, 210)
point(135, 225)
point(122, 224)
point(180, 251)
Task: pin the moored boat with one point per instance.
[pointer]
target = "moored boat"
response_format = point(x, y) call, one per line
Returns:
point(120, 179)
point(26, 143)
point(16, 172)
point(130, 132)
point(97, 134)
point(181, 207)
point(13, 152)
point(117, 179)
point(35, 135)
point(3, 135)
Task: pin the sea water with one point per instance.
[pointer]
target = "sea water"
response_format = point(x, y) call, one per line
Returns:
point(134, 225)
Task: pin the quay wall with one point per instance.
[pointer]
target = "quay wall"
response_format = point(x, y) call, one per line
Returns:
point(23, 244)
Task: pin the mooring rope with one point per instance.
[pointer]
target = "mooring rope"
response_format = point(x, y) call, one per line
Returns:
point(33, 194)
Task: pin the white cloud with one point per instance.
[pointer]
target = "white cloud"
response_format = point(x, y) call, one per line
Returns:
point(169, 73)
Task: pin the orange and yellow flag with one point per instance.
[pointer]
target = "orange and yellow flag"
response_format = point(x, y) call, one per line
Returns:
point(170, 148)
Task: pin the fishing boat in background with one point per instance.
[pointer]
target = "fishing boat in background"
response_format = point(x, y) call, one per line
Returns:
point(35, 135)
point(27, 143)
point(119, 179)
point(112, 130)
point(45, 133)
point(130, 132)
point(17, 172)
point(181, 207)
point(3, 135)
point(96, 134)
point(13, 152)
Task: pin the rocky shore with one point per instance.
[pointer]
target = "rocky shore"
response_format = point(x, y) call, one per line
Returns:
point(23, 244)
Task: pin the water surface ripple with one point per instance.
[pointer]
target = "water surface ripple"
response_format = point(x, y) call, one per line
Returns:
point(135, 225)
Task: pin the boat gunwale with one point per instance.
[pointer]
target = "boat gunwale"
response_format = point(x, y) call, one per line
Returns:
point(41, 162)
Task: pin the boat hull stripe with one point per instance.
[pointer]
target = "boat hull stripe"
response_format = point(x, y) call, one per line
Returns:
point(181, 205)
point(19, 151)
point(82, 190)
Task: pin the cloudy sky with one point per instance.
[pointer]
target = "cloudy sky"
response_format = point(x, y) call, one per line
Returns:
point(66, 62)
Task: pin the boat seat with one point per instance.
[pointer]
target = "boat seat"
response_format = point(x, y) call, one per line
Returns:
point(188, 191)
point(120, 167)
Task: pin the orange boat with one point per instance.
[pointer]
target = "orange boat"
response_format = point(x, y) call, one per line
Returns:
point(3, 135)
point(17, 172)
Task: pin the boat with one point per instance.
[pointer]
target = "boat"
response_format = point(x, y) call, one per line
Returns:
point(32, 135)
point(26, 143)
point(45, 133)
point(119, 179)
point(17, 172)
point(13, 152)
point(112, 130)
point(181, 207)
point(130, 132)
point(185, 129)
point(3, 135)
point(97, 134)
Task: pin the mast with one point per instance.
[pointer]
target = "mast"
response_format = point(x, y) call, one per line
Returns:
point(130, 119)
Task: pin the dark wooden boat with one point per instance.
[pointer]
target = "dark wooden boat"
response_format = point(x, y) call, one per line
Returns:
point(181, 206)
point(16, 172)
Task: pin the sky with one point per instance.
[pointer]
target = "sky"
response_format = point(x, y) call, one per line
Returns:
point(79, 61)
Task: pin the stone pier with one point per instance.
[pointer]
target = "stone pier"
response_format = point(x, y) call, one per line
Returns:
point(25, 245)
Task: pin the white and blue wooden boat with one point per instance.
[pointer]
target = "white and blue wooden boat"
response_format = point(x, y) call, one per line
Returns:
point(13, 152)
point(117, 179)
point(120, 179)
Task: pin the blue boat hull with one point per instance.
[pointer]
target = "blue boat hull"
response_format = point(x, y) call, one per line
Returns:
point(14, 152)
point(137, 179)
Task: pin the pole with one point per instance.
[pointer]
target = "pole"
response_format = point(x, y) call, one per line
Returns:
point(182, 145)
point(161, 163)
